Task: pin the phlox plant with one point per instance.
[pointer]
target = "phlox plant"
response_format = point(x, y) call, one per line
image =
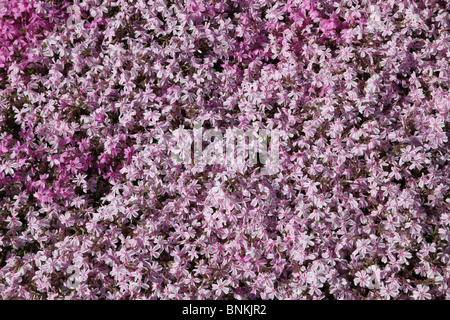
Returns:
point(92, 205)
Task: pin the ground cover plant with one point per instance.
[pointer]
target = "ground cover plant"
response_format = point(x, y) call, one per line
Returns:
point(92, 205)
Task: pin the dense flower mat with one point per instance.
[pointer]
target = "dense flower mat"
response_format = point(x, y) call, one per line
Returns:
point(92, 206)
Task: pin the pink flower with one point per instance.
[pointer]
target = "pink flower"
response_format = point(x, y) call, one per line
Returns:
point(221, 287)
point(421, 293)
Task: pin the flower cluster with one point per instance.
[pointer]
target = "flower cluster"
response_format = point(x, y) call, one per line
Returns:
point(90, 91)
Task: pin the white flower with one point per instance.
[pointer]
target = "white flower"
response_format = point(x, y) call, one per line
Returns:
point(8, 167)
